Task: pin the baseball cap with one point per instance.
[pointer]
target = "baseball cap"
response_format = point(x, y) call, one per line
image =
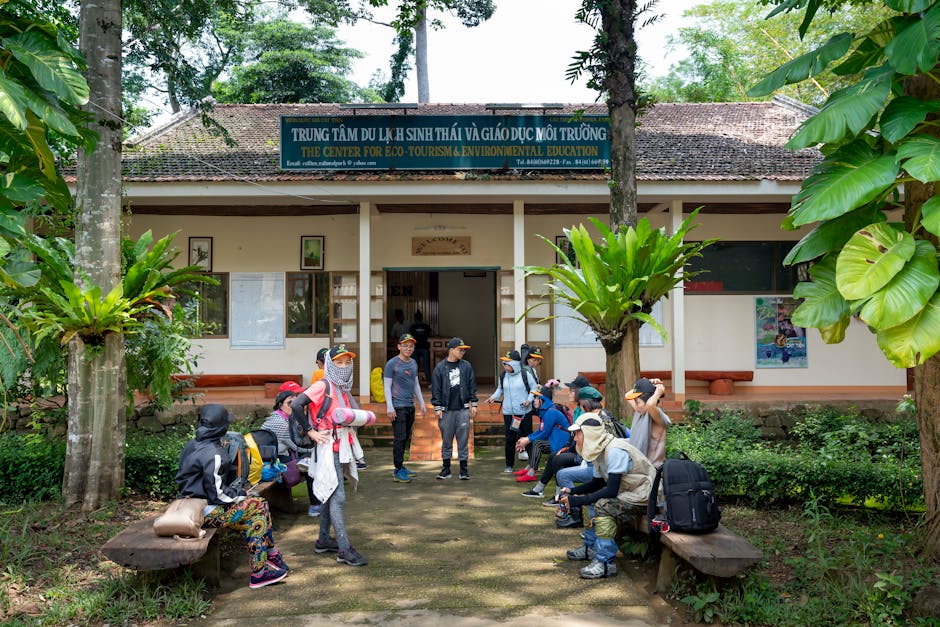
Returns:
point(406, 338)
point(543, 390)
point(589, 419)
point(642, 389)
point(321, 354)
point(591, 393)
point(456, 342)
point(290, 386)
point(511, 356)
point(578, 382)
point(339, 350)
point(535, 352)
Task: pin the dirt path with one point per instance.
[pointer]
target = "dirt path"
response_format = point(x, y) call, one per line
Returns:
point(461, 553)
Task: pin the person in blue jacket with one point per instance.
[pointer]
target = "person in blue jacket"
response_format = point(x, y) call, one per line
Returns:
point(551, 437)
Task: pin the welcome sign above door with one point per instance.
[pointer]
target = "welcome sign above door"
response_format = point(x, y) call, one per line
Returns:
point(445, 142)
point(442, 245)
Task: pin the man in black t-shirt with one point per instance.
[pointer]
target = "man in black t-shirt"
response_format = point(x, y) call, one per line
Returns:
point(421, 331)
point(454, 397)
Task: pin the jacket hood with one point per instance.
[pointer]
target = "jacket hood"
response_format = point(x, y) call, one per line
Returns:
point(213, 422)
point(546, 405)
point(516, 365)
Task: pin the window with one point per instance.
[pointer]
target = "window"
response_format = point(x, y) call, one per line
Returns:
point(308, 303)
point(742, 268)
point(212, 304)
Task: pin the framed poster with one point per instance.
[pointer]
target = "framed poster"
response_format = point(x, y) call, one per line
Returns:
point(562, 242)
point(311, 252)
point(200, 253)
point(779, 343)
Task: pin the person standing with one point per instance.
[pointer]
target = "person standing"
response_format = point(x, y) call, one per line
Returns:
point(514, 391)
point(400, 379)
point(398, 326)
point(421, 331)
point(454, 397)
point(318, 373)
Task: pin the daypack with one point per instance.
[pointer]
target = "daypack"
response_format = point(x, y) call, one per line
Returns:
point(377, 386)
point(298, 432)
point(691, 503)
point(267, 444)
point(255, 459)
point(236, 450)
point(564, 409)
point(620, 430)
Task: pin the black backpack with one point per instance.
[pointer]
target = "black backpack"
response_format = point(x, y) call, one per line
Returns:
point(691, 502)
point(298, 432)
point(620, 429)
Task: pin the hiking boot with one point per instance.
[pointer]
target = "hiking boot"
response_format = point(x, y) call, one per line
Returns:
point(464, 474)
point(552, 502)
point(329, 545)
point(351, 556)
point(265, 577)
point(569, 522)
point(444, 473)
point(401, 476)
point(276, 561)
point(361, 464)
point(313, 511)
point(598, 570)
point(410, 473)
point(508, 470)
point(580, 554)
point(532, 494)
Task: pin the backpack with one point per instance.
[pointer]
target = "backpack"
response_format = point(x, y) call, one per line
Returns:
point(566, 411)
point(619, 429)
point(236, 451)
point(691, 503)
point(260, 452)
point(298, 432)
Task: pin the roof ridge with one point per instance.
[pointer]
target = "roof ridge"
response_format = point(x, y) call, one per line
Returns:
point(793, 104)
point(175, 120)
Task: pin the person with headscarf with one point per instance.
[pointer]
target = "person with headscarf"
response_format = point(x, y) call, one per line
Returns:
point(337, 448)
point(514, 392)
point(204, 468)
point(650, 422)
point(617, 493)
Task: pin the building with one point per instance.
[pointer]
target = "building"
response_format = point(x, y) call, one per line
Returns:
point(321, 252)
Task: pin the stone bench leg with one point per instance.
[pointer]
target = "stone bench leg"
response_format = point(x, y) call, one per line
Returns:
point(667, 570)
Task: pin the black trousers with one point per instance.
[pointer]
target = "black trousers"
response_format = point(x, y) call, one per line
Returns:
point(401, 429)
point(525, 428)
point(556, 462)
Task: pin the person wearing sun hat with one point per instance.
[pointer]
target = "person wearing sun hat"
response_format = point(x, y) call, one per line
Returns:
point(650, 422)
point(617, 492)
point(454, 397)
point(400, 378)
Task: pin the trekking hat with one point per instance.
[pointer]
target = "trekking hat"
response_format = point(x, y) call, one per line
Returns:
point(643, 389)
point(511, 356)
point(591, 393)
point(535, 353)
point(578, 382)
point(590, 419)
point(290, 386)
point(456, 342)
point(543, 390)
point(407, 338)
point(339, 350)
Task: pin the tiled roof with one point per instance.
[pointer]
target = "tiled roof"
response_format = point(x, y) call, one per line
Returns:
point(675, 142)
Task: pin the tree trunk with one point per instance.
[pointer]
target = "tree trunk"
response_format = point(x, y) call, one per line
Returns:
point(618, 25)
point(926, 376)
point(421, 55)
point(94, 464)
point(623, 368)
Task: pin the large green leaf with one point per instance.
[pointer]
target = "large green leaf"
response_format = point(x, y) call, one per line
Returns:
point(871, 258)
point(870, 52)
point(907, 293)
point(13, 101)
point(851, 177)
point(847, 112)
point(803, 66)
point(921, 156)
point(36, 135)
point(909, 6)
point(930, 215)
point(915, 48)
point(835, 333)
point(823, 305)
point(833, 234)
point(53, 69)
point(54, 117)
point(915, 341)
point(903, 114)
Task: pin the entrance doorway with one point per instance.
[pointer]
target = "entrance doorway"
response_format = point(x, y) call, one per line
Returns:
point(455, 303)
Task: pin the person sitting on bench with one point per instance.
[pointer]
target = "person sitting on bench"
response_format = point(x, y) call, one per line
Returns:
point(618, 492)
point(203, 469)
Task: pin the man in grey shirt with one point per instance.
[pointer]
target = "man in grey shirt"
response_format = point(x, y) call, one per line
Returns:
point(400, 379)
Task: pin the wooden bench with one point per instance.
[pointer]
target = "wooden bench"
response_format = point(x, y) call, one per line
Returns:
point(721, 553)
point(271, 382)
point(720, 382)
point(137, 546)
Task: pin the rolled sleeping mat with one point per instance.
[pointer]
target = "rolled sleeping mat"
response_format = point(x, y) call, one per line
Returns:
point(346, 417)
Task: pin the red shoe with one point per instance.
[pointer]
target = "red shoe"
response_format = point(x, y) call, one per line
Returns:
point(524, 471)
point(525, 478)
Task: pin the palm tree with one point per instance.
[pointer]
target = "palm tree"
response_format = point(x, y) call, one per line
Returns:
point(613, 284)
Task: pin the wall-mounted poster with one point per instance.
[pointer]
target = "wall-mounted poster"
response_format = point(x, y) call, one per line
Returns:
point(780, 344)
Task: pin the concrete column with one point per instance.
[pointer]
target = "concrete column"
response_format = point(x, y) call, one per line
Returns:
point(364, 358)
point(518, 260)
point(678, 317)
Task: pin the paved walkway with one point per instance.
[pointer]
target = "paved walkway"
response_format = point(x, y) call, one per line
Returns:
point(460, 553)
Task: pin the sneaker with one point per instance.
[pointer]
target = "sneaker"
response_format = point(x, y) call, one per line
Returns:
point(444, 473)
point(532, 494)
point(525, 478)
point(524, 471)
point(328, 546)
point(568, 522)
point(508, 470)
point(276, 561)
point(523, 456)
point(400, 476)
point(580, 554)
point(410, 473)
point(361, 464)
point(598, 570)
point(464, 474)
point(552, 502)
point(313, 511)
point(351, 556)
point(266, 577)
point(303, 464)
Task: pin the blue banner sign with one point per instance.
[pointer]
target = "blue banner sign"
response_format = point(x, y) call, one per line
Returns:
point(445, 142)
